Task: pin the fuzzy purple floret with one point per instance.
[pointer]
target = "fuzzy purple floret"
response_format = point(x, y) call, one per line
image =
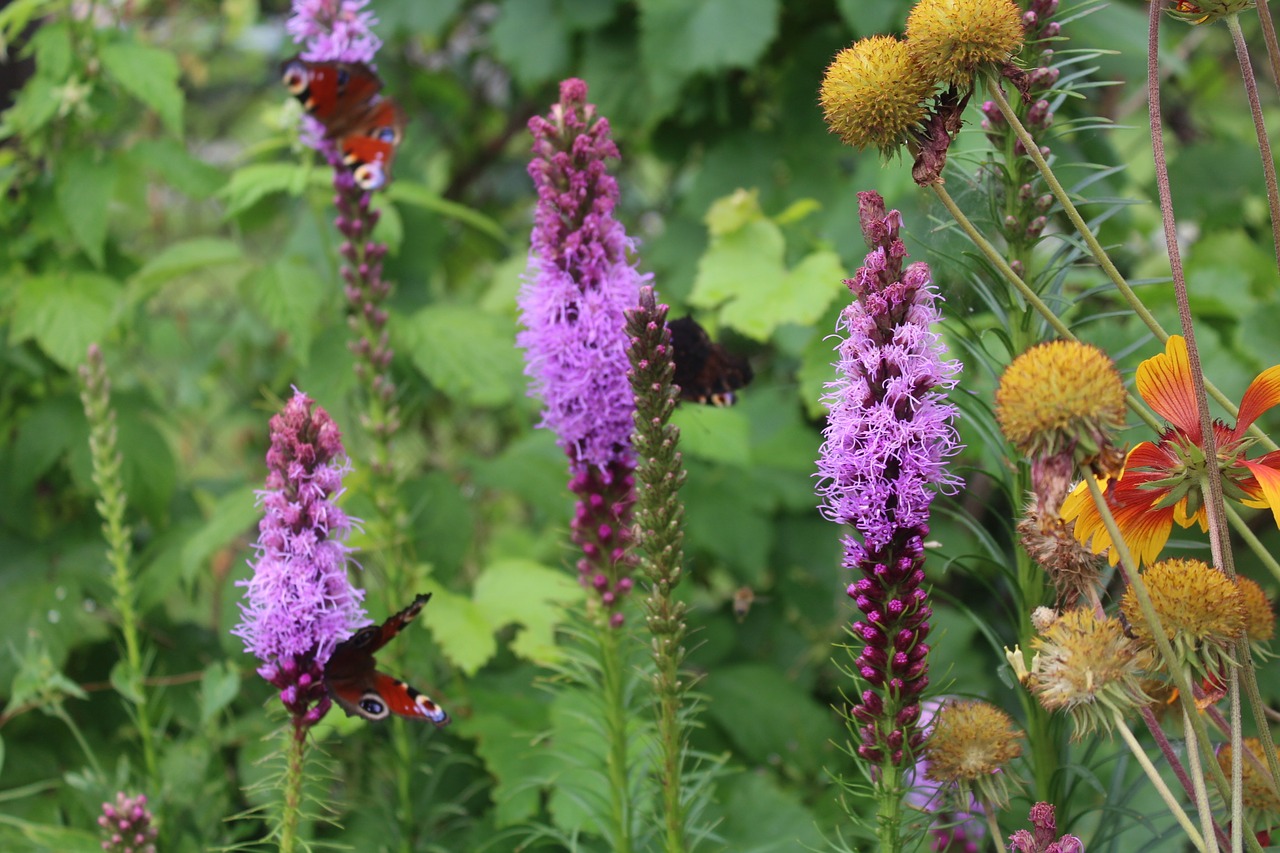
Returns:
point(579, 283)
point(889, 433)
point(330, 30)
point(300, 603)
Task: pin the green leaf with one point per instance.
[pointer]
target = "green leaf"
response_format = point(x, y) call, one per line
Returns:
point(507, 728)
point(198, 253)
point(84, 188)
point(461, 631)
point(289, 294)
point(801, 297)
point(150, 75)
point(176, 167)
point(866, 19)
point(769, 716)
point(467, 354)
point(47, 430)
point(126, 682)
point(64, 314)
point(679, 38)
point(250, 184)
point(236, 513)
point(714, 434)
point(419, 196)
point(760, 816)
point(52, 46)
point(15, 16)
point(530, 40)
point(219, 686)
point(585, 14)
point(530, 594)
point(59, 838)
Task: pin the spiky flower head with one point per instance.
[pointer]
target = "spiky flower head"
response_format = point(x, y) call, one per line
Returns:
point(1200, 608)
point(1257, 787)
point(970, 745)
point(300, 603)
point(334, 30)
point(127, 825)
point(873, 94)
point(952, 39)
point(1208, 11)
point(1259, 618)
point(1089, 668)
point(1052, 544)
point(1063, 397)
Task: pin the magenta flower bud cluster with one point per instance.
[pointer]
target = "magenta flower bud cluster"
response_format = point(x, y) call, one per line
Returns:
point(127, 825)
point(300, 603)
point(886, 447)
point(1043, 835)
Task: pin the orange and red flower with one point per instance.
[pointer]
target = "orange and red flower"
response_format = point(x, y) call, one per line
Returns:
point(1161, 480)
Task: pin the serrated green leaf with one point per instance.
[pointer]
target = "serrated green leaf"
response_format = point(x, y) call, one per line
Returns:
point(507, 728)
point(467, 354)
point(64, 314)
point(714, 434)
point(461, 631)
point(84, 188)
point(150, 75)
point(289, 295)
point(530, 40)
point(250, 184)
point(219, 686)
point(801, 297)
point(749, 258)
point(529, 594)
point(198, 253)
point(679, 38)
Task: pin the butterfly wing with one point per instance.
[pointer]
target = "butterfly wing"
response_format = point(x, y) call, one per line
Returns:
point(360, 690)
point(337, 94)
point(371, 146)
point(705, 371)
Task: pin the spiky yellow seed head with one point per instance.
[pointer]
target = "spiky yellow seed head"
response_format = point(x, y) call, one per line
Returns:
point(951, 39)
point(873, 94)
point(969, 744)
point(1257, 791)
point(1089, 668)
point(1259, 619)
point(1200, 608)
point(1061, 397)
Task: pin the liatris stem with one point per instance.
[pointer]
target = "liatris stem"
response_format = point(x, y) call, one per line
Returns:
point(95, 394)
point(659, 528)
point(295, 759)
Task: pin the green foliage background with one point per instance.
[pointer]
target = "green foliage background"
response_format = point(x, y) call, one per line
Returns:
point(157, 202)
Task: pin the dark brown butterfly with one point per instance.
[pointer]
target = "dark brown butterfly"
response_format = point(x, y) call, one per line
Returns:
point(705, 371)
point(360, 690)
point(344, 97)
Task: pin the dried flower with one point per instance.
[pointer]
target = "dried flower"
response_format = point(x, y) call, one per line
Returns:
point(873, 94)
point(884, 455)
point(1090, 668)
point(1043, 837)
point(300, 604)
point(1200, 610)
point(572, 306)
point(1161, 480)
point(127, 825)
point(969, 746)
point(952, 39)
point(1051, 543)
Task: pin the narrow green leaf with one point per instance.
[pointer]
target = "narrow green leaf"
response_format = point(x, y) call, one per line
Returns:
point(85, 185)
point(64, 313)
point(419, 196)
point(150, 75)
point(126, 682)
point(235, 514)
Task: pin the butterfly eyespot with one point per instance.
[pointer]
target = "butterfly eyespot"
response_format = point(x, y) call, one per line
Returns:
point(386, 134)
point(295, 78)
point(373, 706)
point(369, 176)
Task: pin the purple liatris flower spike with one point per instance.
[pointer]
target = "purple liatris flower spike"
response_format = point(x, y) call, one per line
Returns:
point(1043, 836)
point(580, 283)
point(300, 603)
point(887, 442)
point(126, 826)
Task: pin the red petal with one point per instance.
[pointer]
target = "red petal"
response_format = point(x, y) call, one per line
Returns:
point(1149, 455)
point(1164, 381)
point(1269, 480)
point(1263, 393)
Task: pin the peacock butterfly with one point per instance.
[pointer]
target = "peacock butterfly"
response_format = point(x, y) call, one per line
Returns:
point(362, 691)
point(345, 97)
point(705, 371)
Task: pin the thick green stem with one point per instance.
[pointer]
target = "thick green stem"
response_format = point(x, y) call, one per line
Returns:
point(291, 808)
point(616, 730)
point(889, 807)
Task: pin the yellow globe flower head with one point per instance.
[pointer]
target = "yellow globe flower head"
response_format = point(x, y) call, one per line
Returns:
point(969, 746)
point(1259, 618)
point(1090, 669)
point(873, 94)
point(1208, 11)
point(952, 39)
point(1201, 611)
point(1257, 789)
